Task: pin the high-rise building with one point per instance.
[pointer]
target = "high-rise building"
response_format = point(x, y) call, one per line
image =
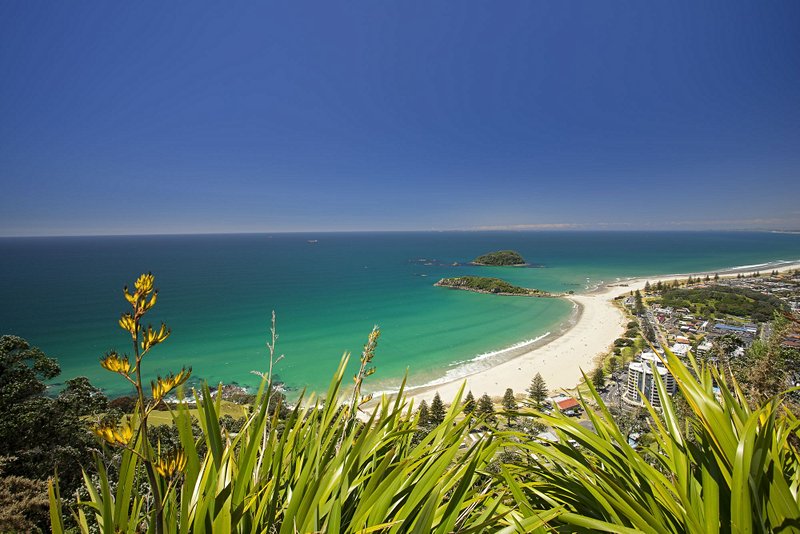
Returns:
point(641, 382)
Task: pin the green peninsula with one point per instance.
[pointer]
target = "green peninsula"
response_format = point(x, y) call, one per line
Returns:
point(495, 286)
point(502, 258)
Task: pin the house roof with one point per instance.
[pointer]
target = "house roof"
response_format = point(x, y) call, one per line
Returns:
point(567, 404)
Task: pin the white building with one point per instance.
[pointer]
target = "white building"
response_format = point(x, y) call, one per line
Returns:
point(681, 350)
point(704, 349)
point(641, 382)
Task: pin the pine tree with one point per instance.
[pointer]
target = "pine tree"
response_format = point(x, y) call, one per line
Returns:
point(647, 287)
point(509, 404)
point(659, 285)
point(469, 403)
point(599, 378)
point(538, 390)
point(437, 410)
point(708, 278)
point(716, 276)
point(639, 305)
point(649, 333)
point(486, 407)
point(424, 415)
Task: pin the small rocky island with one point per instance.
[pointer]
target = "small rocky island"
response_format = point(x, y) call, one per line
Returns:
point(500, 258)
point(495, 286)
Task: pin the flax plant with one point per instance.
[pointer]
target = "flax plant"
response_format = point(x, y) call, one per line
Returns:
point(315, 470)
point(729, 468)
point(132, 435)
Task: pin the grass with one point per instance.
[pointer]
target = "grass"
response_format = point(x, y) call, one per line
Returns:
point(226, 408)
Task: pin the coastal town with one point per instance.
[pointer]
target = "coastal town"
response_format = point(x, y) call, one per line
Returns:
point(710, 319)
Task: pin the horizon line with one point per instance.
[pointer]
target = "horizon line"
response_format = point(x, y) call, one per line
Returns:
point(431, 231)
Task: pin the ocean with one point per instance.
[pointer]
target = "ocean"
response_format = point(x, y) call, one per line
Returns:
point(217, 294)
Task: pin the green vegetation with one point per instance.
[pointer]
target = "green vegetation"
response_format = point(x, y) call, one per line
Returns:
point(39, 434)
point(481, 284)
point(728, 464)
point(767, 367)
point(509, 405)
point(486, 408)
point(469, 403)
point(537, 391)
point(501, 258)
point(723, 300)
point(729, 468)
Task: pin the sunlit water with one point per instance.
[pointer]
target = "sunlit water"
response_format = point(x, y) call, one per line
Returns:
point(217, 294)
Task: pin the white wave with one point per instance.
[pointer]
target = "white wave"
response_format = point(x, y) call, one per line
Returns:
point(464, 368)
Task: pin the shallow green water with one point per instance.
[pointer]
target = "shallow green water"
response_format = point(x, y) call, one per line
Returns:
point(217, 293)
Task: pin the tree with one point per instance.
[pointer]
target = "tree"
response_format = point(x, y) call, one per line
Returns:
point(649, 333)
point(82, 398)
point(424, 415)
point(537, 391)
point(613, 365)
point(647, 287)
point(23, 505)
point(599, 377)
point(639, 305)
point(767, 368)
point(437, 410)
point(37, 433)
point(486, 407)
point(469, 403)
point(509, 405)
point(716, 277)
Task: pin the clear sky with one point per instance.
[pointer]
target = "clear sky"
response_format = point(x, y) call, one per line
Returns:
point(172, 117)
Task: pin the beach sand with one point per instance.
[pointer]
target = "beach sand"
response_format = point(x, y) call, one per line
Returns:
point(560, 359)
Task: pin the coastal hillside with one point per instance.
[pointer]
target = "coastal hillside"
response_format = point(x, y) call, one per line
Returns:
point(501, 258)
point(496, 286)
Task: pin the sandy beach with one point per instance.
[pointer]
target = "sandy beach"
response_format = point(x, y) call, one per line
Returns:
point(560, 358)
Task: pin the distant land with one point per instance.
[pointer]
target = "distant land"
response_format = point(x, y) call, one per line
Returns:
point(495, 286)
point(500, 258)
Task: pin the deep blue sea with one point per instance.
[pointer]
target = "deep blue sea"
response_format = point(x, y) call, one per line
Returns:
point(217, 293)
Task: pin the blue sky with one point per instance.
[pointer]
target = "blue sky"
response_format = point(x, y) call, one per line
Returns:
point(149, 117)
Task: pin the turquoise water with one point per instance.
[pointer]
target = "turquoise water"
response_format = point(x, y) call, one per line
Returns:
point(217, 294)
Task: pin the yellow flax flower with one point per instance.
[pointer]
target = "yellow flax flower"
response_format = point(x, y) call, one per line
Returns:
point(372, 342)
point(128, 323)
point(116, 363)
point(114, 436)
point(150, 303)
point(144, 284)
point(139, 298)
point(151, 337)
point(173, 463)
point(162, 386)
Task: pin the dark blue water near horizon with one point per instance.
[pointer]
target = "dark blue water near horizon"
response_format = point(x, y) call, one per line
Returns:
point(64, 294)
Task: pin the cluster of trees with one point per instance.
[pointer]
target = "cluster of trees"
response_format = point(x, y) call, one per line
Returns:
point(500, 258)
point(486, 285)
point(768, 367)
point(741, 302)
point(40, 435)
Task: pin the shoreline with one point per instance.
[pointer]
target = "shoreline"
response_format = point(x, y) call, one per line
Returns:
point(588, 333)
